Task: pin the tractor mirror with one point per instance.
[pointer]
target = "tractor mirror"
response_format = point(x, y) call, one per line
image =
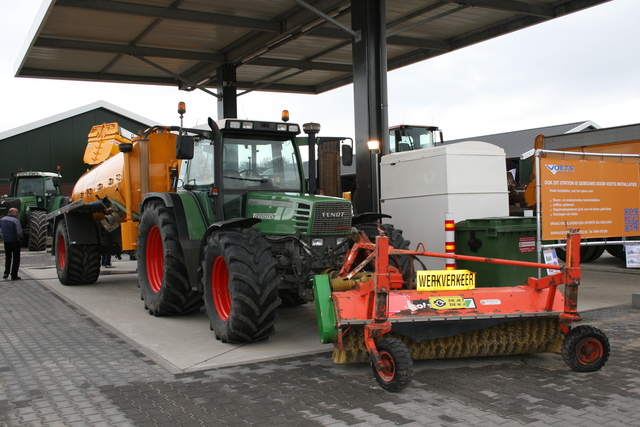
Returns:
point(184, 147)
point(347, 155)
point(56, 181)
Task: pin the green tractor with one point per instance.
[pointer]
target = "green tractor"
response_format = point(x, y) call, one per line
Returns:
point(34, 194)
point(242, 228)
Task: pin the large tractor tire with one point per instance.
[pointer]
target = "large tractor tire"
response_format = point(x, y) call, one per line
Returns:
point(162, 273)
point(240, 285)
point(38, 231)
point(403, 263)
point(75, 264)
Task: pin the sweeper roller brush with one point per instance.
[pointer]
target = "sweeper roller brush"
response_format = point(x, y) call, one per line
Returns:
point(378, 316)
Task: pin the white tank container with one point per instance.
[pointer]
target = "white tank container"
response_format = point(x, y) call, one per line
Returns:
point(467, 179)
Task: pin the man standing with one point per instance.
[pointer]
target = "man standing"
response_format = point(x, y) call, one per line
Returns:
point(11, 234)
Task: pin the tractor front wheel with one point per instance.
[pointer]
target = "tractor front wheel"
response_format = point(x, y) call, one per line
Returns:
point(162, 273)
point(240, 285)
point(585, 349)
point(75, 264)
point(398, 365)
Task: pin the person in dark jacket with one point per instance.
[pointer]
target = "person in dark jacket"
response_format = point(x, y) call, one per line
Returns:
point(12, 235)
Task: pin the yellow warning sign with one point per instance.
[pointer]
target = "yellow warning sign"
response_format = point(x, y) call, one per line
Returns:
point(442, 280)
point(446, 303)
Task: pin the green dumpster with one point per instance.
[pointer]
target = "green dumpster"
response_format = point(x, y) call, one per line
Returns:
point(512, 238)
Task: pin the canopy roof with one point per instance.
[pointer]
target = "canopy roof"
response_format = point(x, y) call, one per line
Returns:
point(276, 45)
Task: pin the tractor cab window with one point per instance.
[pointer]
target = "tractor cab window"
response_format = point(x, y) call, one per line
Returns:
point(199, 170)
point(30, 187)
point(260, 164)
point(49, 187)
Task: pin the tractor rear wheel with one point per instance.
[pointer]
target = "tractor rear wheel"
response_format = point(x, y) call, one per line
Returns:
point(75, 264)
point(398, 370)
point(290, 298)
point(585, 349)
point(162, 273)
point(404, 263)
point(37, 231)
point(240, 285)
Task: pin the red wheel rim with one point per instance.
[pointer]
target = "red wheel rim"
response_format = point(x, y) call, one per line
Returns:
point(220, 288)
point(388, 373)
point(154, 258)
point(61, 252)
point(589, 351)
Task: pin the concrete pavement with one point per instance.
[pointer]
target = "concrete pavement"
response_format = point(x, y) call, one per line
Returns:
point(182, 343)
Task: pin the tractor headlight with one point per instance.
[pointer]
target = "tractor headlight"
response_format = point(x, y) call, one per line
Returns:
point(341, 240)
point(281, 127)
point(317, 241)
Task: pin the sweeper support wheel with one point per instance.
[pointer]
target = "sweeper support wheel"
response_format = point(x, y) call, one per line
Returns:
point(396, 368)
point(585, 349)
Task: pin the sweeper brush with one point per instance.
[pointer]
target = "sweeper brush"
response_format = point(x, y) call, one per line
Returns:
point(377, 316)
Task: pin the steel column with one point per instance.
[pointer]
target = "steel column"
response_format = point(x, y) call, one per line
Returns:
point(370, 98)
point(227, 102)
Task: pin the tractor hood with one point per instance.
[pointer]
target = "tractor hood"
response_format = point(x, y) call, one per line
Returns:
point(297, 213)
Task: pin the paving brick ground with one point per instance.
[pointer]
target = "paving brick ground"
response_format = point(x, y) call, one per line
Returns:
point(60, 367)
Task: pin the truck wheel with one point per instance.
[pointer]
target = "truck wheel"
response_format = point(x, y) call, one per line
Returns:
point(587, 253)
point(617, 251)
point(75, 264)
point(404, 264)
point(585, 349)
point(38, 231)
point(240, 285)
point(162, 273)
point(398, 370)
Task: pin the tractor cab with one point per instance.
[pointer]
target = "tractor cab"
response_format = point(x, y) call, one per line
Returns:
point(244, 156)
point(409, 137)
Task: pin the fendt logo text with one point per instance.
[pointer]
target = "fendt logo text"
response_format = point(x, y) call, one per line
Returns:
point(559, 168)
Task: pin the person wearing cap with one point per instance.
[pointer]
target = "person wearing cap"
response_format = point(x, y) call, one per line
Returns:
point(12, 235)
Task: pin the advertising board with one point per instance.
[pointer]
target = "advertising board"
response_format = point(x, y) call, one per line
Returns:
point(600, 196)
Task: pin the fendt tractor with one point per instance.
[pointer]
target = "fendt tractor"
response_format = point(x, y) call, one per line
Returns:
point(219, 217)
point(34, 194)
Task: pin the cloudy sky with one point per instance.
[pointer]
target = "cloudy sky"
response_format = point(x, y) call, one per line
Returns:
point(585, 66)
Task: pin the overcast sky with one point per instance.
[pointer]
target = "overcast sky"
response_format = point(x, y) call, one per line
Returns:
point(585, 66)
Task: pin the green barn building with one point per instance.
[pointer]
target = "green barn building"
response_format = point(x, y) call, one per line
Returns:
point(60, 140)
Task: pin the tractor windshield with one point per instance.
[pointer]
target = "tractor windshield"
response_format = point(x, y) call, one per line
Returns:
point(260, 164)
point(31, 186)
